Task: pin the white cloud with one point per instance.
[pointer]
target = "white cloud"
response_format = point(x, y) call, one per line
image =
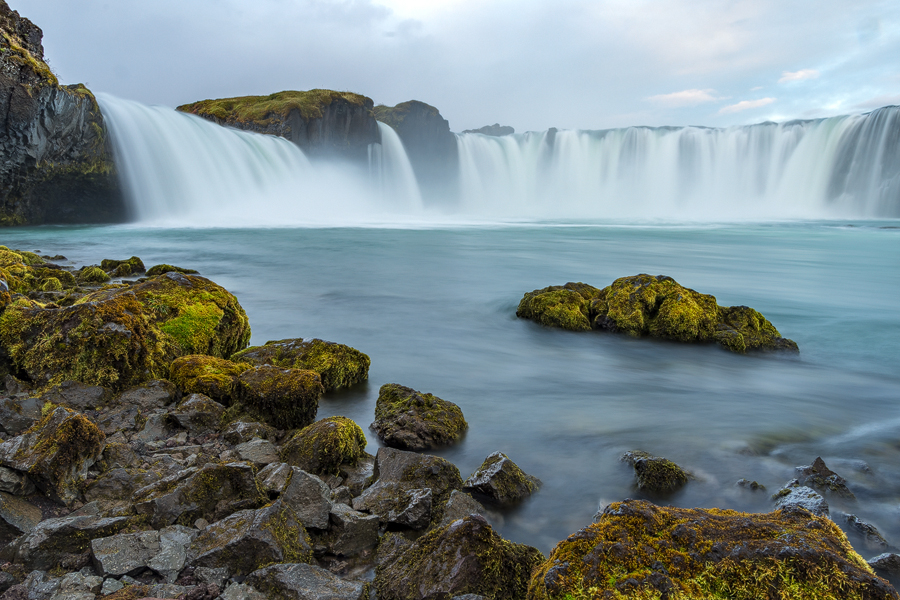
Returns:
point(684, 98)
point(879, 101)
point(800, 75)
point(745, 105)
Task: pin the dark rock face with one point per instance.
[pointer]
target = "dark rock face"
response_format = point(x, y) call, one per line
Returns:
point(429, 143)
point(496, 130)
point(56, 165)
point(637, 549)
point(654, 474)
point(819, 477)
point(501, 481)
point(298, 581)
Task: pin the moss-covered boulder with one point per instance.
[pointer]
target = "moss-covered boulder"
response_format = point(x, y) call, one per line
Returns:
point(639, 550)
point(653, 306)
point(501, 481)
point(283, 398)
point(323, 447)
point(564, 306)
point(411, 420)
point(464, 557)
point(208, 375)
point(123, 268)
point(339, 366)
point(91, 275)
point(164, 268)
point(56, 452)
point(654, 474)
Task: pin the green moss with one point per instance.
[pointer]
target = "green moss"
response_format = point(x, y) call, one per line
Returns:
point(638, 550)
point(559, 306)
point(8, 258)
point(124, 267)
point(656, 475)
point(30, 258)
point(51, 284)
point(264, 110)
point(18, 54)
point(284, 398)
point(741, 329)
point(507, 485)
point(321, 448)
point(405, 418)
point(208, 375)
point(93, 275)
point(338, 365)
point(163, 269)
point(292, 537)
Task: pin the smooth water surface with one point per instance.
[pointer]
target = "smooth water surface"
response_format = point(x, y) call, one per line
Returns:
point(435, 310)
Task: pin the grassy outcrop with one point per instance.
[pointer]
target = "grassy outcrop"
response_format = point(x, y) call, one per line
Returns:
point(653, 306)
point(266, 110)
point(321, 448)
point(639, 550)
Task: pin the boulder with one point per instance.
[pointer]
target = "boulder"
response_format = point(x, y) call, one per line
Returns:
point(124, 554)
point(462, 505)
point(259, 452)
point(886, 564)
point(284, 398)
point(639, 550)
point(323, 447)
point(822, 479)
point(155, 394)
point(56, 452)
point(209, 492)
point(351, 531)
point(17, 516)
point(304, 582)
point(872, 539)
point(19, 414)
point(76, 395)
point(338, 365)
point(794, 495)
point(208, 375)
point(410, 420)
point(164, 268)
point(309, 498)
point(239, 432)
point(501, 481)
point(123, 268)
point(15, 483)
point(249, 539)
point(274, 477)
point(118, 484)
point(464, 557)
point(199, 414)
point(242, 591)
point(655, 475)
point(654, 306)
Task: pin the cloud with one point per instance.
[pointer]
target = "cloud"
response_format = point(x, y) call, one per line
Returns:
point(788, 76)
point(684, 98)
point(879, 101)
point(745, 105)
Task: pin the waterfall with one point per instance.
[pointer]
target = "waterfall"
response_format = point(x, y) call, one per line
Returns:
point(393, 175)
point(845, 166)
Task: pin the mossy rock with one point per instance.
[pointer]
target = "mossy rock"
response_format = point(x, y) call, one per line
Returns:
point(122, 268)
point(283, 398)
point(655, 475)
point(741, 329)
point(501, 481)
point(339, 366)
point(262, 110)
point(93, 275)
point(321, 448)
point(208, 375)
point(410, 420)
point(51, 284)
point(164, 268)
point(639, 550)
point(563, 306)
point(8, 258)
point(464, 557)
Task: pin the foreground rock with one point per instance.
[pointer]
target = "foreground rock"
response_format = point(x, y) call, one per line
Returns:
point(639, 550)
point(304, 582)
point(338, 365)
point(325, 446)
point(501, 481)
point(410, 420)
point(654, 474)
point(464, 557)
point(794, 495)
point(654, 306)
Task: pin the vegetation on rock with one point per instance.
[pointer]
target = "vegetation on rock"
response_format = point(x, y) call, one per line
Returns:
point(501, 480)
point(654, 474)
point(163, 269)
point(410, 420)
point(208, 375)
point(263, 110)
point(284, 398)
point(321, 448)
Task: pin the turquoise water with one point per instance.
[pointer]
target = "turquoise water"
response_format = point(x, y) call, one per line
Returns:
point(435, 310)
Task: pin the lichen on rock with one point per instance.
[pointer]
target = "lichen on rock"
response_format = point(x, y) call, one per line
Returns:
point(654, 474)
point(565, 306)
point(411, 420)
point(323, 447)
point(284, 398)
point(208, 375)
point(501, 481)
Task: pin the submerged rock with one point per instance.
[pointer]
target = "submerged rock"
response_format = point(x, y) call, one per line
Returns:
point(654, 474)
point(410, 420)
point(639, 550)
point(654, 306)
point(464, 557)
point(824, 480)
point(794, 495)
point(501, 480)
point(323, 447)
point(338, 365)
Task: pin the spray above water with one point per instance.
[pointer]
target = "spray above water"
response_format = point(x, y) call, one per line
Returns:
point(178, 169)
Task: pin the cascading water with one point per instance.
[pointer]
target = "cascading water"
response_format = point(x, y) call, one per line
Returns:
point(838, 167)
point(389, 165)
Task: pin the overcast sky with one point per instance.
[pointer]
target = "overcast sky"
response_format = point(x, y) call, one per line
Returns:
point(530, 64)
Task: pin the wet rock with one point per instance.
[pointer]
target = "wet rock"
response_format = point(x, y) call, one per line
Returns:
point(750, 485)
point(241, 591)
point(304, 582)
point(273, 478)
point(357, 477)
point(461, 505)
point(77, 586)
point(338, 365)
point(117, 485)
point(565, 306)
point(207, 375)
point(501, 481)
point(824, 480)
point(111, 586)
point(164, 268)
point(15, 483)
point(871, 537)
point(212, 575)
point(156, 394)
point(134, 266)
point(210, 492)
point(248, 539)
point(15, 386)
point(19, 414)
point(794, 495)
point(242, 431)
point(284, 398)
point(163, 551)
point(199, 414)
point(464, 557)
point(654, 474)
point(174, 542)
point(77, 396)
point(637, 548)
point(56, 453)
point(886, 564)
point(156, 427)
point(17, 516)
point(410, 420)
point(351, 531)
point(62, 542)
point(325, 446)
point(309, 497)
point(259, 452)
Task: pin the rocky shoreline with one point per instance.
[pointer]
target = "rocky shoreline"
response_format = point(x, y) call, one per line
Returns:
point(146, 452)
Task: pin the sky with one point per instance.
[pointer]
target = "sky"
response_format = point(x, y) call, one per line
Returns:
point(571, 64)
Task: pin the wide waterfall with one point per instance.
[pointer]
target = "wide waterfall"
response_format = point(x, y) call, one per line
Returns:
point(178, 168)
